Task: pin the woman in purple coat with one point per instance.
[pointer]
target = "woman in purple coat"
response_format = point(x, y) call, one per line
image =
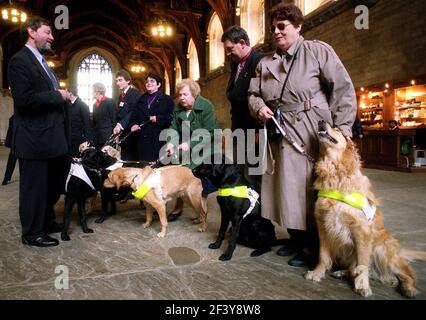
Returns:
point(154, 107)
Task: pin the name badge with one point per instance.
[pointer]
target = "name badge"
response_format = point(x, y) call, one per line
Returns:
point(121, 104)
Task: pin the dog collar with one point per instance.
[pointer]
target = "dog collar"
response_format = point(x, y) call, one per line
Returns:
point(241, 192)
point(354, 199)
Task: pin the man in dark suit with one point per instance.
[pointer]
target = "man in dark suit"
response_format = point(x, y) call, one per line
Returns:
point(39, 138)
point(244, 60)
point(127, 101)
point(81, 126)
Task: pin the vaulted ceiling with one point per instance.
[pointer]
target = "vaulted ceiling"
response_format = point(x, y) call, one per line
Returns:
point(123, 29)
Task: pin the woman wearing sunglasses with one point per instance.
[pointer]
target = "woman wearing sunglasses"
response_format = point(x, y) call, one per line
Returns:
point(307, 82)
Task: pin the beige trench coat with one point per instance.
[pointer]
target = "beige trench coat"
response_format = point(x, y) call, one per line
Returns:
point(319, 87)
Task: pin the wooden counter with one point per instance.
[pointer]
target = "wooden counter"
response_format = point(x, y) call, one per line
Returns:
point(381, 149)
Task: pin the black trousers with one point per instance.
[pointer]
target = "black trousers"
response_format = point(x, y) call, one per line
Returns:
point(40, 186)
point(11, 163)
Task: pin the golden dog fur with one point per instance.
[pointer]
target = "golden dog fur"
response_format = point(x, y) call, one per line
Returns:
point(175, 182)
point(347, 238)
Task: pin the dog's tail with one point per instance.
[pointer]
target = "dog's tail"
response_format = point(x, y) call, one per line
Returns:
point(413, 254)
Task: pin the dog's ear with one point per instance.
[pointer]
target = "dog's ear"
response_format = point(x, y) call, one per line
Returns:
point(109, 183)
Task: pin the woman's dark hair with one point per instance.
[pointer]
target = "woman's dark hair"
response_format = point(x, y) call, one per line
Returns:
point(286, 11)
point(154, 76)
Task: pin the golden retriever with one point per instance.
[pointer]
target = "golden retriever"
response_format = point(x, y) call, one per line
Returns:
point(166, 183)
point(348, 237)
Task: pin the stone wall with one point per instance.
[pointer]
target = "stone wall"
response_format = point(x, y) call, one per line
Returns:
point(393, 48)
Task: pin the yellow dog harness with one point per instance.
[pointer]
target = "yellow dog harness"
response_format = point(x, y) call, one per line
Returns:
point(354, 199)
point(152, 181)
point(241, 192)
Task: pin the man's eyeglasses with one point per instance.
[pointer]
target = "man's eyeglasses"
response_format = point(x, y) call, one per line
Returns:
point(281, 26)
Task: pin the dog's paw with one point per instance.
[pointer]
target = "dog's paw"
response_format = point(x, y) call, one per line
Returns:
point(100, 219)
point(146, 225)
point(65, 237)
point(314, 275)
point(408, 290)
point(88, 230)
point(161, 234)
point(259, 252)
point(225, 257)
point(202, 229)
point(340, 274)
point(365, 292)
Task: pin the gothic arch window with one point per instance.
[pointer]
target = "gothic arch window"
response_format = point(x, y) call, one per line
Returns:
point(194, 67)
point(252, 19)
point(308, 6)
point(94, 68)
point(178, 71)
point(216, 51)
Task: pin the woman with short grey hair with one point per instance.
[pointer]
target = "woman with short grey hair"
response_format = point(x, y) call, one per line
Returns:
point(104, 115)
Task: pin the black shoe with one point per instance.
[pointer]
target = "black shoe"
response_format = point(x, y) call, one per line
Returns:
point(4, 182)
point(285, 251)
point(57, 227)
point(42, 241)
point(302, 260)
point(174, 216)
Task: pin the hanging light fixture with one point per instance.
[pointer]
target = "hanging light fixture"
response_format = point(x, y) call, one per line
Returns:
point(161, 29)
point(137, 68)
point(13, 14)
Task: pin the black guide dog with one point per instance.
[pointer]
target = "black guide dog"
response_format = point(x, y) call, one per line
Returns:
point(94, 163)
point(252, 230)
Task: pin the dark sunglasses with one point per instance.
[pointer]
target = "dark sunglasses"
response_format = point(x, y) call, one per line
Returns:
point(281, 26)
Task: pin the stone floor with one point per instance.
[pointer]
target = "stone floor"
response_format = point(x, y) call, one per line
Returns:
point(121, 260)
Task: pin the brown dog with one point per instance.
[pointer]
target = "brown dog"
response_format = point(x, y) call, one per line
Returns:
point(353, 238)
point(165, 183)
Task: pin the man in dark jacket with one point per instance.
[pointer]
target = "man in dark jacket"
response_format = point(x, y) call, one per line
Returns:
point(126, 104)
point(39, 138)
point(81, 126)
point(244, 60)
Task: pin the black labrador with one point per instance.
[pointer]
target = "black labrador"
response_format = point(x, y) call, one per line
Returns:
point(86, 178)
point(249, 228)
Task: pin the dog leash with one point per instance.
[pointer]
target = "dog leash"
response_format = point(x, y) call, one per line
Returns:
point(291, 141)
point(141, 126)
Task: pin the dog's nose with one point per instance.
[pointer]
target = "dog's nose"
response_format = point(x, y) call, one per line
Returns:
point(322, 125)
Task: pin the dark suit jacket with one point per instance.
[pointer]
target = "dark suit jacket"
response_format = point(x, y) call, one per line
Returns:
point(39, 128)
point(237, 92)
point(104, 120)
point(81, 126)
point(128, 104)
point(148, 139)
point(8, 141)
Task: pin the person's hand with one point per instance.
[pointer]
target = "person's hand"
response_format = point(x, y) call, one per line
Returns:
point(153, 119)
point(183, 146)
point(135, 127)
point(117, 129)
point(170, 149)
point(65, 94)
point(264, 114)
